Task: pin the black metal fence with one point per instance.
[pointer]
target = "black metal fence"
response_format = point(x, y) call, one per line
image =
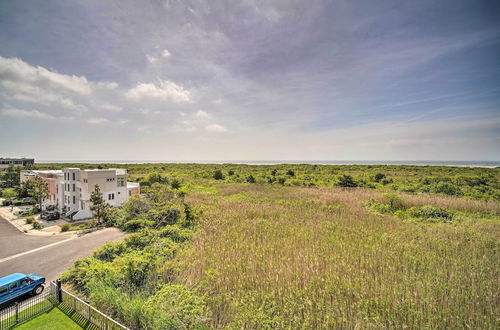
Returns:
point(54, 295)
point(21, 311)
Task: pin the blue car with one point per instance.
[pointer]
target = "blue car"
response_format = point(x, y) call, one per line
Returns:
point(18, 284)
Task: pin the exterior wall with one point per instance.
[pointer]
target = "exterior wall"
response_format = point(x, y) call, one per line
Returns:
point(70, 189)
point(16, 162)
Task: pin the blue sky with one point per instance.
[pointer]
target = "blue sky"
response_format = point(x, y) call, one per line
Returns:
point(250, 80)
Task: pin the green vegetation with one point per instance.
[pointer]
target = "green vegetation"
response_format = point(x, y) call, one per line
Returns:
point(474, 183)
point(301, 246)
point(54, 319)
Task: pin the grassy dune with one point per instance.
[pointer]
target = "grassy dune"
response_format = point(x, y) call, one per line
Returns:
point(288, 257)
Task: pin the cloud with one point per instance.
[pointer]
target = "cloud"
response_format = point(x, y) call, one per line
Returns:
point(151, 59)
point(97, 121)
point(110, 107)
point(200, 114)
point(216, 128)
point(18, 72)
point(165, 53)
point(26, 113)
point(165, 91)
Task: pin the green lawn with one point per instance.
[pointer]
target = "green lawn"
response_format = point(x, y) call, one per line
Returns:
point(54, 319)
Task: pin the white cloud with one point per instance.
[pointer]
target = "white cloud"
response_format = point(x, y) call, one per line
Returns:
point(165, 53)
point(165, 91)
point(97, 121)
point(111, 107)
point(151, 59)
point(26, 114)
point(216, 128)
point(200, 114)
point(19, 72)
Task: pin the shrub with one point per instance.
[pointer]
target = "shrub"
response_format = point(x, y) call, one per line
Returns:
point(29, 220)
point(65, 227)
point(37, 225)
point(174, 307)
point(290, 173)
point(430, 212)
point(346, 181)
point(9, 193)
point(175, 184)
point(218, 175)
point(230, 172)
point(135, 225)
point(447, 188)
point(250, 179)
point(378, 177)
point(394, 201)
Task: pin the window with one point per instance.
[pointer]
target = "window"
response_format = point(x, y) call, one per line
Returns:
point(74, 176)
point(25, 281)
point(73, 186)
point(57, 189)
point(81, 204)
point(74, 199)
point(111, 196)
point(110, 179)
point(130, 192)
point(85, 180)
point(13, 285)
point(3, 289)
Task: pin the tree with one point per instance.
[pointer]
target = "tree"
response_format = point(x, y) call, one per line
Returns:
point(230, 172)
point(290, 173)
point(99, 206)
point(11, 177)
point(39, 190)
point(274, 172)
point(218, 175)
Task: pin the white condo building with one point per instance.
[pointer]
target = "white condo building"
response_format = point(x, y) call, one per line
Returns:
point(70, 189)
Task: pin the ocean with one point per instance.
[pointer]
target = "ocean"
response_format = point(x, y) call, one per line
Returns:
point(489, 164)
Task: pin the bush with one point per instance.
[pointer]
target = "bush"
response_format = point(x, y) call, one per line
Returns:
point(250, 179)
point(218, 175)
point(447, 188)
point(65, 227)
point(9, 193)
point(346, 181)
point(37, 225)
point(427, 212)
point(230, 172)
point(378, 177)
point(29, 220)
point(394, 201)
point(135, 225)
point(175, 184)
point(174, 307)
point(290, 173)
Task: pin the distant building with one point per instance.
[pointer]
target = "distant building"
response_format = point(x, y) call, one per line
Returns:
point(17, 162)
point(70, 189)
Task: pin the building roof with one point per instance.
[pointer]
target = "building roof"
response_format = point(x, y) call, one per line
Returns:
point(132, 185)
point(10, 278)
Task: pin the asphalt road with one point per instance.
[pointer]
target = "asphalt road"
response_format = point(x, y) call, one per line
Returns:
point(47, 256)
point(12, 241)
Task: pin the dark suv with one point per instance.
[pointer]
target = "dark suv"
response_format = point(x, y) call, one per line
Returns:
point(50, 215)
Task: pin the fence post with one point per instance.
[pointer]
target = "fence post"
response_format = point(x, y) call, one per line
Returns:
point(59, 291)
point(17, 312)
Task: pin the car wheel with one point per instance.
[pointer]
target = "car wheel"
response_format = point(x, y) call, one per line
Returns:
point(37, 290)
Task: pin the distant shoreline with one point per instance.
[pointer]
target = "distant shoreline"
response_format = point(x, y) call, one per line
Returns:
point(484, 164)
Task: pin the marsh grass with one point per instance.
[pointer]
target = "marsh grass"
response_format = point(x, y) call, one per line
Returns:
point(269, 256)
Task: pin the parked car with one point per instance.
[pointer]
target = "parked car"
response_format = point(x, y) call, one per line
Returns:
point(24, 201)
point(7, 202)
point(18, 284)
point(50, 215)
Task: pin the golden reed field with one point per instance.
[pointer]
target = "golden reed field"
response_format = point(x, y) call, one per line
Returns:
point(286, 257)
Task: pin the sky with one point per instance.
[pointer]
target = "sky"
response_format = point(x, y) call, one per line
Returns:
point(229, 80)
